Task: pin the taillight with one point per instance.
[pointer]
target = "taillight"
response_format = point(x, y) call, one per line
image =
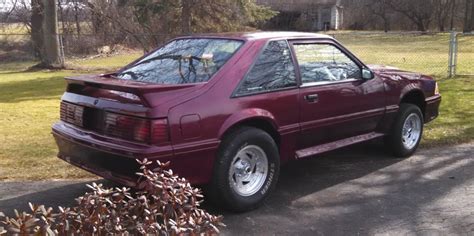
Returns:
point(151, 131)
point(141, 132)
point(71, 113)
point(159, 131)
point(136, 129)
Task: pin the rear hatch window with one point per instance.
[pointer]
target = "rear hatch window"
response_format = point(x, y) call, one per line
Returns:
point(182, 61)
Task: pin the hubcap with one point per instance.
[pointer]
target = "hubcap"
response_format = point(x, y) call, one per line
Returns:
point(411, 132)
point(248, 170)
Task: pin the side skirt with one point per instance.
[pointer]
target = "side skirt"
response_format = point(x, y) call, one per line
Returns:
point(303, 153)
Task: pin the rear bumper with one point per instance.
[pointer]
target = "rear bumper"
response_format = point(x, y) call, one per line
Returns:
point(106, 165)
point(432, 108)
point(116, 159)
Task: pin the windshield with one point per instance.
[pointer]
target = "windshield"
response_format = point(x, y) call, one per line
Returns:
point(182, 61)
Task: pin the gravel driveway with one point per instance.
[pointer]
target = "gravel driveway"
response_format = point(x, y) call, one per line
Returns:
point(357, 190)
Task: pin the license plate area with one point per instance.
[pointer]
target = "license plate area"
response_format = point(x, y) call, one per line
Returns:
point(94, 119)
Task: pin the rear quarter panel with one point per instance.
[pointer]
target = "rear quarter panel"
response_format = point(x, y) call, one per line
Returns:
point(210, 109)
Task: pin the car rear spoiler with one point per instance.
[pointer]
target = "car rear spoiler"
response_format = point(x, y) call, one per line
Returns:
point(110, 82)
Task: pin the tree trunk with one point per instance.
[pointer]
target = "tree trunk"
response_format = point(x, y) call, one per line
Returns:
point(386, 24)
point(36, 27)
point(52, 56)
point(61, 17)
point(441, 23)
point(76, 19)
point(186, 17)
point(472, 15)
point(453, 14)
point(468, 16)
point(441, 27)
point(420, 26)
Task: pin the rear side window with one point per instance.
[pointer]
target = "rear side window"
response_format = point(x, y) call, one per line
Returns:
point(273, 70)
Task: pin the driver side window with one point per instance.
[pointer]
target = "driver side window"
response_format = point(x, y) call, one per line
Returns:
point(324, 63)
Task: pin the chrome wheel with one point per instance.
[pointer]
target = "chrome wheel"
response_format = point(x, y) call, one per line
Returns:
point(248, 170)
point(411, 132)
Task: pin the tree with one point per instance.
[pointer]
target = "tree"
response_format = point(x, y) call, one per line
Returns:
point(36, 24)
point(151, 22)
point(52, 56)
point(186, 17)
point(453, 9)
point(76, 18)
point(44, 33)
point(9, 12)
point(419, 12)
point(443, 9)
point(419, 15)
point(381, 9)
point(472, 15)
point(469, 16)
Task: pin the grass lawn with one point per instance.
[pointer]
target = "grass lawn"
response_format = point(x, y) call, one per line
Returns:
point(455, 123)
point(29, 104)
point(423, 53)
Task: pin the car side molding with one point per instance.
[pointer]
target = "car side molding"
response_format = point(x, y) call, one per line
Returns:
point(336, 145)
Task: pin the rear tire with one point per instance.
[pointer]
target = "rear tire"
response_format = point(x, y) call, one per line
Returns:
point(406, 133)
point(246, 170)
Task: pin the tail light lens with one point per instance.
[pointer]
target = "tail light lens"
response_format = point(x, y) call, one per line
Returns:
point(151, 131)
point(71, 114)
point(136, 129)
point(159, 131)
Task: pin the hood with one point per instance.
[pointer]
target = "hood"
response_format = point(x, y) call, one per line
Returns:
point(394, 71)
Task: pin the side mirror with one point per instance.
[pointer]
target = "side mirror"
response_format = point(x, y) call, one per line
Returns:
point(367, 74)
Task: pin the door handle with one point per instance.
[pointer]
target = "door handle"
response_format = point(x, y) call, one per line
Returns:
point(312, 98)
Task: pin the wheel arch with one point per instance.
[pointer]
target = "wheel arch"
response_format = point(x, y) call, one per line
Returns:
point(264, 121)
point(415, 97)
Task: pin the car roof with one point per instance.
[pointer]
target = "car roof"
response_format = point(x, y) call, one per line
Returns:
point(266, 35)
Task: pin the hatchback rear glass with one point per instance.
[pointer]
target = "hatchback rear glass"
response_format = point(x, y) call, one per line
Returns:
point(182, 61)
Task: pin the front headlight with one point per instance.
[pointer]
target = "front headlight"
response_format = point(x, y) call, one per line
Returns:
point(436, 92)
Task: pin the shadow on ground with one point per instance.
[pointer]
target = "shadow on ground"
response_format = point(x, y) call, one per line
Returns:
point(31, 90)
point(357, 190)
point(361, 190)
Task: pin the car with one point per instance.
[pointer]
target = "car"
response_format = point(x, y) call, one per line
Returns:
point(227, 110)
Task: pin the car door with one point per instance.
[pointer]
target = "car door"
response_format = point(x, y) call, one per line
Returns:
point(334, 101)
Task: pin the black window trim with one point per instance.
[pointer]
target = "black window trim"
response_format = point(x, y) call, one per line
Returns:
point(235, 92)
point(337, 45)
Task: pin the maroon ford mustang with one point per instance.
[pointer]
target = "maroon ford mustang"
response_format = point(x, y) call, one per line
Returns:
point(227, 110)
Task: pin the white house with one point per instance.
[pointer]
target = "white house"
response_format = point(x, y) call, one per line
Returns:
point(318, 14)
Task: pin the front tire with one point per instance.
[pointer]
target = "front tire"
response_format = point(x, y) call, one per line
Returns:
point(406, 132)
point(246, 170)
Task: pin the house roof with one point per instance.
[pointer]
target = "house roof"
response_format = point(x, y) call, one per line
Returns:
point(296, 5)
